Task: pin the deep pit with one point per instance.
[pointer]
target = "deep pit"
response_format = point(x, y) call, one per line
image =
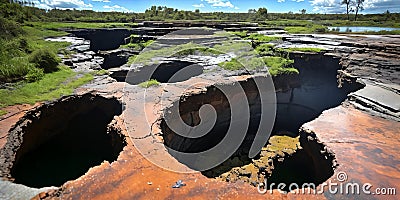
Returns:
point(165, 72)
point(60, 141)
point(290, 156)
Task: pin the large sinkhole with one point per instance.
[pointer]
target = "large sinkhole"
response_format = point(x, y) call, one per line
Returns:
point(59, 142)
point(289, 156)
point(165, 72)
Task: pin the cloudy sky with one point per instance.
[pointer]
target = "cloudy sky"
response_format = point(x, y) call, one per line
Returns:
point(312, 6)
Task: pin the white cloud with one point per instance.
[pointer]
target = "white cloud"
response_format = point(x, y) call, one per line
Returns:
point(370, 6)
point(116, 8)
point(281, 1)
point(237, 8)
point(63, 4)
point(198, 5)
point(104, 1)
point(220, 3)
point(298, 1)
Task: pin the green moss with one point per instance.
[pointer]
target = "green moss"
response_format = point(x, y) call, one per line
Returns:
point(100, 72)
point(278, 65)
point(262, 38)
point(241, 34)
point(137, 46)
point(51, 86)
point(149, 83)
point(265, 49)
point(283, 144)
point(232, 65)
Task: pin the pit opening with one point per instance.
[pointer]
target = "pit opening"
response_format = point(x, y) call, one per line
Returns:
point(171, 71)
point(290, 156)
point(61, 141)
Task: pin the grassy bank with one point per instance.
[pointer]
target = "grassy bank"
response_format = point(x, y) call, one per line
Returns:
point(51, 86)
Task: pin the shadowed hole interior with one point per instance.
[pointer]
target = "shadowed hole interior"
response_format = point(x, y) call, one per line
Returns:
point(300, 98)
point(165, 72)
point(67, 138)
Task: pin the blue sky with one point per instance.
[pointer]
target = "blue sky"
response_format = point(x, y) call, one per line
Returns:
point(312, 6)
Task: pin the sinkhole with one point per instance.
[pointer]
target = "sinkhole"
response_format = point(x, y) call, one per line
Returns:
point(291, 155)
point(165, 72)
point(61, 141)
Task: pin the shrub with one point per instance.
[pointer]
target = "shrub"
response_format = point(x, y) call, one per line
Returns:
point(13, 69)
point(34, 74)
point(44, 59)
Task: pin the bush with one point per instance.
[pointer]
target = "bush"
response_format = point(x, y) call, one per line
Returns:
point(13, 69)
point(46, 60)
point(34, 74)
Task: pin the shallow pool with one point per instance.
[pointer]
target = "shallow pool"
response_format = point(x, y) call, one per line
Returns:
point(360, 28)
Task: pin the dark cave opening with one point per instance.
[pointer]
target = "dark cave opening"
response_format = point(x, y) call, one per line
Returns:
point(165, 72)
point(299, 100)
point(66, 139)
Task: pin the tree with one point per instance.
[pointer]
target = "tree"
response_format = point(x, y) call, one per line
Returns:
point(303, 11)
point(359, 7)
point(348, 8)
point(262, 13)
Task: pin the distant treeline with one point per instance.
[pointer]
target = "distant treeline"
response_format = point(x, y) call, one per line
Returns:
point(24, 11)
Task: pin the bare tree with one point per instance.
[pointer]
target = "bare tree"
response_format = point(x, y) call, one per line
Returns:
point(348, 8)
point(359, 7)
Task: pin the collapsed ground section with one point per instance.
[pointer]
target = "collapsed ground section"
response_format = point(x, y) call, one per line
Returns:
point(60, 141)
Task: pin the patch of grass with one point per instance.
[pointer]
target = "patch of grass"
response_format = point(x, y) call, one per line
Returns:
point(51, 86)
point(241, 34)
point(278, 65)
point(149, 83)
point(302, 49)
point(262, 38)
point(3, 112)
point(232, 65)
point(198, 50)
point(230, 46)
point(265, 49)
point(314, 28)
point(100, 72)
point(137, 46)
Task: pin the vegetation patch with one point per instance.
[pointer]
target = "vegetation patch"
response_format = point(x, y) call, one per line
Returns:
point(265, 49)
point(263, 38)
point(3, 112)
point(232, 65)
point(314, 28)
point(149, 83)
point(278, 65)
point(241, 34)
point(51, 86)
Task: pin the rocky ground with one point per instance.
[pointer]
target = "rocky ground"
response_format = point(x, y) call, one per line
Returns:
point(358, 137)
